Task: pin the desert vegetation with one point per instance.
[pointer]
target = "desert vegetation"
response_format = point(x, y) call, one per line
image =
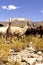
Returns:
point(18, 45)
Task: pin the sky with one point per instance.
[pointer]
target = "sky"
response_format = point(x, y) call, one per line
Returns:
point(32, 9)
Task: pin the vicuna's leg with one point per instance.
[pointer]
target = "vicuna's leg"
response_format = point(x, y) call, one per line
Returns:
point(7, 38)
point(20, 38)
point(40, 35)
point(11, 38)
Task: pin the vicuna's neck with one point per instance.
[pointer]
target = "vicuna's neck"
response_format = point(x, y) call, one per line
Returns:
point(25, 28)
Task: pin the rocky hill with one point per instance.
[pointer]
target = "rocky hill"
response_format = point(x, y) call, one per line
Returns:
point(38, 23)
point(17, 22)
point(21, 22)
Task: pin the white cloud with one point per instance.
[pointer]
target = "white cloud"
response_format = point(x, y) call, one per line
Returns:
point(3, 7)
point(41, 11)
point(9, 7)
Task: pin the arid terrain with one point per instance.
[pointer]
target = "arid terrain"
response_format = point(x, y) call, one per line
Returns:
point(25, 51)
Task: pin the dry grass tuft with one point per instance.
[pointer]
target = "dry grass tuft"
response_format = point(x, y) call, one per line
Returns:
point(17, 46)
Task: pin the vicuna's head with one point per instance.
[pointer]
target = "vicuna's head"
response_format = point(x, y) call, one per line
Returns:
point(29, 23)
point(26, 25)
point(10, 21)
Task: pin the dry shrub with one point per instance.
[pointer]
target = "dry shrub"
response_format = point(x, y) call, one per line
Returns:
point(37, 42)
point(18, 45)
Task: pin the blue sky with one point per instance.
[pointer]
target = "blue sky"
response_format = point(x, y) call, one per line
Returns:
point(32, 9)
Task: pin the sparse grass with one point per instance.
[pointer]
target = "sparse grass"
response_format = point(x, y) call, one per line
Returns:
point(18, 45)
point(21, 44)
point(37, 42)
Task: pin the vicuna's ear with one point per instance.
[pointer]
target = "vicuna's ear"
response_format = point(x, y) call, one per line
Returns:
point(10, 20)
